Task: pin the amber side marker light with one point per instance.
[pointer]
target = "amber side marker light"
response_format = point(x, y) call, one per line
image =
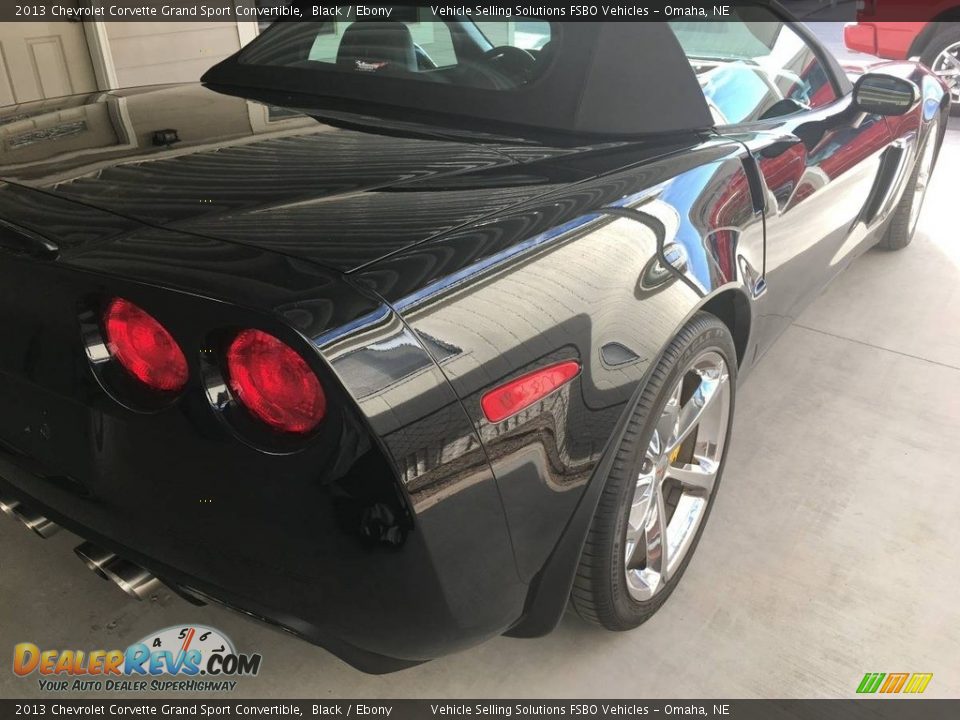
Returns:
point(143, 347)
point(524, 391)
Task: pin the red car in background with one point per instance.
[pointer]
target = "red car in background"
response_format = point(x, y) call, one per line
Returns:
point(903, 29)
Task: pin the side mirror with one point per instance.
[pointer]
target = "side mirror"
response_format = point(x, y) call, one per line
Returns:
point(880, 94)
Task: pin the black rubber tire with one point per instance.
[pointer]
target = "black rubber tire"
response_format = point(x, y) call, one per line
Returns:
point(599, 593)
point(947, 35)
point(899, 234)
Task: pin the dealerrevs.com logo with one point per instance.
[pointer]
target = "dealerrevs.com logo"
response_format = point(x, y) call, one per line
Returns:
point(181, 658)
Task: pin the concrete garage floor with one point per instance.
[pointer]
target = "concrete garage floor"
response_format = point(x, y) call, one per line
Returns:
point(833, 550)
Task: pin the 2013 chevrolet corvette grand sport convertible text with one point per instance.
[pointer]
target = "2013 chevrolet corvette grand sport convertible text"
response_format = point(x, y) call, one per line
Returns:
point(405, 334)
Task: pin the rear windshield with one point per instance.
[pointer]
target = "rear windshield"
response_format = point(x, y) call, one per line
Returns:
point(410, 43)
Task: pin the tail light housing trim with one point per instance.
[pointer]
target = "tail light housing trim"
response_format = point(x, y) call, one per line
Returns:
point(519, 394)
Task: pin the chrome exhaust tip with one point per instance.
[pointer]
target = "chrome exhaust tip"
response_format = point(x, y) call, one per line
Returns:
point(132, 579)
point(129, 577)
point(38, 523)
point(8, 505)
point(94, 557)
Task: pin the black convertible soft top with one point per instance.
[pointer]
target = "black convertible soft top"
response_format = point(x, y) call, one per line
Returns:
point(620, 78)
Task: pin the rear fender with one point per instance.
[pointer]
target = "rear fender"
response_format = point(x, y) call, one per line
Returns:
point(604, 273)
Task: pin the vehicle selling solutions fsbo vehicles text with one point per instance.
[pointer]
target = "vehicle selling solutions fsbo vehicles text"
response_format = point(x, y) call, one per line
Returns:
point(578, 11)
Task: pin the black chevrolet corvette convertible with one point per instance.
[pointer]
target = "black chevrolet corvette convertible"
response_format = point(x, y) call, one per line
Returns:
point(403, 334)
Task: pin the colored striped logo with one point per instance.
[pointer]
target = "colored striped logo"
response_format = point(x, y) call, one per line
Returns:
point(889, 683)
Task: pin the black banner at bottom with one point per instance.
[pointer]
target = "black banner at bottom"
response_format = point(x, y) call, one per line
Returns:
point(880, 709)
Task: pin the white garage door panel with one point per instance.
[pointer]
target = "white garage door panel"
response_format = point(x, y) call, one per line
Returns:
point(147, 53)
point(43, 60)
point(6, 82)
point(50, 66)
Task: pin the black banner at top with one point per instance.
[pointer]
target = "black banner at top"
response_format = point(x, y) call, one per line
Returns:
point(867, 11)
point(313, 10)
point(270, 10)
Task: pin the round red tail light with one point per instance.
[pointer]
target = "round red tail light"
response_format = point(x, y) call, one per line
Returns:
point(143, 347)
point(275, 383)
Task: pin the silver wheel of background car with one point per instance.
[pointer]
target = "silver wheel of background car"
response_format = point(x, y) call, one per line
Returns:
point(947, 66)
point(924, 172)
point(677, 475)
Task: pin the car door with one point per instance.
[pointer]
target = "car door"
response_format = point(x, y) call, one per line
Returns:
point(815, 157)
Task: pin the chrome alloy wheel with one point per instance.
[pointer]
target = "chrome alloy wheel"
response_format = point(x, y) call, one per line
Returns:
point(677, 475)
point(924, 172)
point(947, 66)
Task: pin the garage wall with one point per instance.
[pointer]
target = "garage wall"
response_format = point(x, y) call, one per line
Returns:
point(163, 52)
